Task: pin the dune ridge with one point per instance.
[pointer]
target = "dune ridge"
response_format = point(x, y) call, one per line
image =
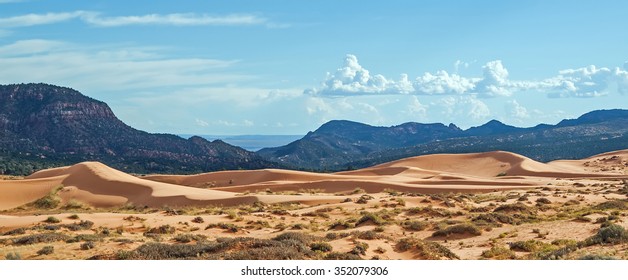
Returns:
point(98, 185)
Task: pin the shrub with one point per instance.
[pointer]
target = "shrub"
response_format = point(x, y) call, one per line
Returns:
point(40, 238)
point(73, 217)
point(597, 257)
point(82, 225)
point(612, 234)
point(88, 245)
point(225, 226)
point(527, 246)
point(187, 238)
point(613, 204)
point(425, 250)
point(342, 256)
point(359, 249)
point(49, 201)
point(52, 220)
point(84, 237)
point(46, 250)
point(16, 231)
point(499, 253)
point(514, 208)
point(373, 217)
point(414, 225)
point(364, 199)
point(367, 235)
point(458, 229)
point(198, 220)
point(321, 246)
point(163, 229)
point(543, 200)
point(13, 256)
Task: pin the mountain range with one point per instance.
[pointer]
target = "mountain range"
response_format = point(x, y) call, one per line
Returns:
point(43, 126)
point(341, 145)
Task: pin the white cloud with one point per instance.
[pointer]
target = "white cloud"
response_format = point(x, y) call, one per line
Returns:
point(588, 81)
point(464, 107)
point(96, 19)
point(352, 79)
point(416, 109)
point(202, 123)
point(107, 67)
point(516, 110)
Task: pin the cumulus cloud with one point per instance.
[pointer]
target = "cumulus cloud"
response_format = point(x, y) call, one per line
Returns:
point(517, 110)
point(465, 107)
point(97, 19)
point(352, 79)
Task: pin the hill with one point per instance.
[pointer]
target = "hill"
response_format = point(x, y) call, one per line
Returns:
point(339, 145)
point(44, 125)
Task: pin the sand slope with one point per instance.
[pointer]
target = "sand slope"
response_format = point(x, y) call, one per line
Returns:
point(98, 185)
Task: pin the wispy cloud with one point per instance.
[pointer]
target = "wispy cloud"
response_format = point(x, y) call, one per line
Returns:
point(110, 67)
point(97, 19)
point(353, 79)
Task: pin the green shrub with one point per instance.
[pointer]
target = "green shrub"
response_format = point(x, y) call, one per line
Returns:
point(342, 256)
point(52, 220)
point(499, 253)
point(198, 220)
point(613, 204)
point(359, 249)
point(73, 217)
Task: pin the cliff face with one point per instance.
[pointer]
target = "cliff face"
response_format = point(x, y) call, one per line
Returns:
point(61, 123)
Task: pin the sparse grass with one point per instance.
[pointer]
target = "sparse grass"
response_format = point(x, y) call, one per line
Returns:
point(187, 238)
point(50, 201)
point(425, 250)
point(225, 226)
point(458, 229)
point(499, 253)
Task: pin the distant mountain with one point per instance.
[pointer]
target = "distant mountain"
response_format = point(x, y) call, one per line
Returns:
point(339, 145)
point(251, 142)
point(44, 125)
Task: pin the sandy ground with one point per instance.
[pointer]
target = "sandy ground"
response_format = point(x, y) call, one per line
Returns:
point(561, 199)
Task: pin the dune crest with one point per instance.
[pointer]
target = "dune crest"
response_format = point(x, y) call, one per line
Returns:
point(98, 185)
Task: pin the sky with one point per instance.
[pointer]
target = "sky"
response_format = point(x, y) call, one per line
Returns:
point(286, 67)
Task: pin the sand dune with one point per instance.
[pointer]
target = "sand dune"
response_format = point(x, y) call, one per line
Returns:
point(98, 185)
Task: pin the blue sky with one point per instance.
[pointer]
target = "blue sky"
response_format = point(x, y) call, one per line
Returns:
point(286, 67)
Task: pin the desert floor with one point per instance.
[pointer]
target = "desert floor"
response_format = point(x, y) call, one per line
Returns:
point(495, 205)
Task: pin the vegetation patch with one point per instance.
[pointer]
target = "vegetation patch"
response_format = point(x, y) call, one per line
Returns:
point(499, 253)
point(459, 229)
point(40, 238)
point(425, 250)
